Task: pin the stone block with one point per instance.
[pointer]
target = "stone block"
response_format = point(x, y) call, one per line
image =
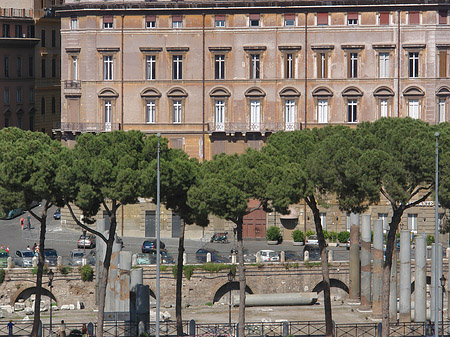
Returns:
point(19, 306)
point(65, 307)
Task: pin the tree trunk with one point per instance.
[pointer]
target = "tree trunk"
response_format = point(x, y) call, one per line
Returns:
point(103, 281)
point(242, 280)
point(324, 262)
point(396, 217)
point(40, 271)
point(178, 292)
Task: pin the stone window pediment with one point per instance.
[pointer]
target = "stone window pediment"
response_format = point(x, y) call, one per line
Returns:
point(413, 91)
point(289, 92)
point(150, 93)
point(383, 91)
point(352, 91)
point(108, 93)
point(254, 92)
point(219, 92)
point(177, 92)
point(322, 91)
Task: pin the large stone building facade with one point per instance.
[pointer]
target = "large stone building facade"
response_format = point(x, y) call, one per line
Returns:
point(221, 76)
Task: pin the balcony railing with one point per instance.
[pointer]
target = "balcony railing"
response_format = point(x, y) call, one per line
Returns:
point(253, 127)
point(69, 84)
point(86, 127)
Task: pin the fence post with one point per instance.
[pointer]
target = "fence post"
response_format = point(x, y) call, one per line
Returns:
point(191, 327)
point(237, 329)
point(379, 329)
point(285, 329)
point(333, 328)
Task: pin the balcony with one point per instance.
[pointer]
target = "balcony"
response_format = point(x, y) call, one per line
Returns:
point(264, 127)
point(72, 88)
point(86, 127)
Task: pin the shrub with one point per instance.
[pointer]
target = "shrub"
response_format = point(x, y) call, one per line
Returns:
point(87, 273)
point(309, 233)
point(273, 234)
point(333, 236)
point(2, 275)
point(343, 236)
point(325, 234)
point(430, 239)
point(44, 271)
point(64, 270)
point(298, 236)
point(188, 271)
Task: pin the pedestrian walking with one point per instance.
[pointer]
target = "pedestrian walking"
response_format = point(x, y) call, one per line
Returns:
point(7, 249)
point(62, 329)
point(10, 328)
point(22, 222)
point(29, 221)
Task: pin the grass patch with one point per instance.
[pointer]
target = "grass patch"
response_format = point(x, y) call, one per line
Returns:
point(2, 275)
point(209, 304)
point(288, 266)
point(64, 270)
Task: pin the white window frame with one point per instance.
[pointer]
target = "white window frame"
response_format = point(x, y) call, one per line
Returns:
point(412, 223)
point(108, 67)
point(219, 67)
point(220, 23)
point(177, 24)
point(177, 111)
point(322, 110)
point(107, 105)
point(75, 68)
point(384, 107)
point(383, 64)
point(353, 59)
point(352, 110)
point(322, 57)
point(255, 114)
point(150, 67)
point(384, 219)
point(177, 67)
point(150, 24)
point(414, 108)
point(108, 25)
point(219, 114)
point(150, 111)
point(255, 66)
point(413, 64)
point(290, 66)
point(74, 23)
point(290, 114)
point(442, 107)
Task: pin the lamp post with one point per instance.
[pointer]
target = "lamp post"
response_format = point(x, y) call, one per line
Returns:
point(443, 279)
point(230, 279)
point(50, 275)
point(158, 229)
point(436, 245)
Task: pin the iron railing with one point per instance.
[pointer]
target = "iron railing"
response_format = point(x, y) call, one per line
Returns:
point(70, 84)
point(232, 127)
point(86, 127)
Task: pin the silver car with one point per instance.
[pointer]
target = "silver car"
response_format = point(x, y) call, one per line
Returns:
point(76, 258)
point(24, 258)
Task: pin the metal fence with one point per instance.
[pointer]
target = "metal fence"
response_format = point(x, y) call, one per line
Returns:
point(252, 329)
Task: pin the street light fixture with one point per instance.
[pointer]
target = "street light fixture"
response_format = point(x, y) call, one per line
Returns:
point(230, 279)
point(50, 275)
point(443, 279)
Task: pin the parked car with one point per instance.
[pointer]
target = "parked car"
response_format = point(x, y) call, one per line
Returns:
point(267, 255)
point(292, 256)
point(57, 214)
point(200, 255)
point(221, 237)
point(248, 257)
point(165, 256)
point(75, 333)
point(86, 241)
point(3, 258)
point(143, 258)
point(314, 252)
point(24, 258)
point(50, 257)
point(76, 257)
point(312, 240)
point(148, 245)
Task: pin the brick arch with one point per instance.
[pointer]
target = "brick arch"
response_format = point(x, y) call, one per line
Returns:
point(25, 292)
point(225, 288)
point(333, 283)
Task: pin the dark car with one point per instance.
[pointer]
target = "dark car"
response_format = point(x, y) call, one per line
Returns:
point(24, 258)
point(50, 256)
point(149, 245)
point(314, 252)
point(75, 333)
point(200, 255)
point(292, 256)
point(165, 256)
point(57, 214)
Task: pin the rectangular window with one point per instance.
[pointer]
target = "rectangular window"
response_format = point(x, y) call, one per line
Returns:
point(6, 122)
point(255, 66)
point(53, 105)
point(412, 223)
point(289, 73)
point(255, 20)
point(384, 18)
point(219, 67)
point(443, 16)
point(53, 67)
point(6, 66)
point(6, 31)
point(441, 107)
point(289, 19)
point(108, 115)
point(413, 64)
point(19, 95)
point(177, 21)
point(322, 19)
point(177, 111)
point(352, 65)
point(255, 114)
point(413, 108)
point(383, 60)
point(53, 38)
point(43, 72)
point(443, 63)
point(19, 66)
point(352, 19)
point(31, 95)
point(19, 122)
point(74, 68)
point(30, 31)
point(18, 31)
point(219, 112)
point(6, 95)
point(108, 21)
point(414, 18)
point(150, 21)
point(108, 68)
point(150, 67)
point(177, 67)
point(322, 65)
point(42, 38)
point(352, 109)
point(383, 107)
point(323, 220)
point(30, 66)
point(31, 123)
point(150, 112)
point(220, 20)
point(42, 106)
point(322, 111)
point(384, 219)
point(73, 23)
point(289, 114)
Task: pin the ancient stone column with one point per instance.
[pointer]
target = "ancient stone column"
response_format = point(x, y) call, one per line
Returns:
point(137, 277)
point(123, 300)
point(377, 267)
point(420, 283)
point(405, 276)
point(436, 263)
point(355, 271)
point(393, 288)
point(366, 277)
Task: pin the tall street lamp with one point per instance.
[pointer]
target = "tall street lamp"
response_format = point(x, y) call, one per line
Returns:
point(50, 275)
point(443, 279)
point(230, 279)
point(436, 244)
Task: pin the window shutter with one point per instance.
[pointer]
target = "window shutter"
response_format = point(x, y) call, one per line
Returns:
point(177, 18)
point(325, 65)
point(443, 63)
point(220, 17)
point(384, 18)
point(352, 16)
point(443, 17)
point(289, 16)
point(108, 19)
point(413, 18)
point(319, 66)
point(150, 18)
point(322, 18)
point(349, 65)
point(254, 16)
